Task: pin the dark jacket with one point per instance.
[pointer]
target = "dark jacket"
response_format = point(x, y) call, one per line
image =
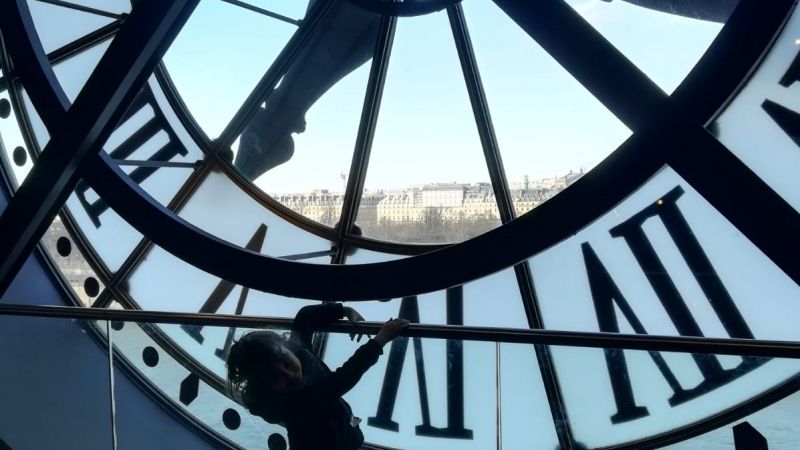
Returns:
point(316, 417)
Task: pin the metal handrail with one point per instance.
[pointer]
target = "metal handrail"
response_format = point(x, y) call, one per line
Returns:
point(684, 344)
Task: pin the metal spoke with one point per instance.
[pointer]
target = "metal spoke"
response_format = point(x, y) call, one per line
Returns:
point(73, 48)
point(263, 11)
point(726, 182)
point(494, 163)
point(270, 79)
point(79, 132)
point(366, 133)
point(602, 69)
point(98, 12)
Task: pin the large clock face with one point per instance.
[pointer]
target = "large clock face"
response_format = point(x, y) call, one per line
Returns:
point(623, 167)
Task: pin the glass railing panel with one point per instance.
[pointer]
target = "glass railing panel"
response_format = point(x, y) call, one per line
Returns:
point(152, 146)
point(55, 377)
point(660, 397)
point(321, 132)
point(439, 394)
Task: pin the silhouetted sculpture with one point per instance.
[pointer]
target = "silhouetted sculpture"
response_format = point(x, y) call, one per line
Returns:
point(283, 382)
point(344, 40)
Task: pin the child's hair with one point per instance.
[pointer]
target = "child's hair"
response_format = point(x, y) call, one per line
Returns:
point(249, 362)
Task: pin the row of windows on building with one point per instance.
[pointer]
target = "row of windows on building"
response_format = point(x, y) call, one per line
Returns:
point(444, 201)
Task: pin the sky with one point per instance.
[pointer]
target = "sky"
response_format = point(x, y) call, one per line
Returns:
point(547, 124)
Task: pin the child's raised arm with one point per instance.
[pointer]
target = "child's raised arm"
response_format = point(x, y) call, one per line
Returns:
point(347, 376)
point(311, 317)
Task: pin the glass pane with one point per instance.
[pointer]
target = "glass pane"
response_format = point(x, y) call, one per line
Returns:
point(111, 6)
point(550, 129)
point(427, 161)
point(362, 256)
point(492, 301)
point(40, 132)
point(242, 45)
point(56, 377)
point(462, 404)
point(523, 405)
point(664, 261)
point(665, 40)
point(313, 181)
point(431, 213)
point(16, 155)
point(74, 72)
point(223, 209)
point(149, 138)
point(64, 252)
point(636, 394)
point(164, 283)
point(166, 370)
point(58, 25)
point(109, 235)
point(760, 124)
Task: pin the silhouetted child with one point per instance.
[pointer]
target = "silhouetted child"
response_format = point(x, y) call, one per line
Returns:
point(283, 382)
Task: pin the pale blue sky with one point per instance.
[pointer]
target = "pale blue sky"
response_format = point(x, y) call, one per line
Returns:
point(546, 123)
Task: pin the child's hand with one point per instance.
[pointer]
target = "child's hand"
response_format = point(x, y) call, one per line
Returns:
point(353, 316)
point(390, 330)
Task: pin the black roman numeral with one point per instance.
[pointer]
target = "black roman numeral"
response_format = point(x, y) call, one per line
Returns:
point(605, 294)
point(220, 293)
point(792, 73)
point(409, 309)
point(156, 124)
point(224, 289)
point(785, 118)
